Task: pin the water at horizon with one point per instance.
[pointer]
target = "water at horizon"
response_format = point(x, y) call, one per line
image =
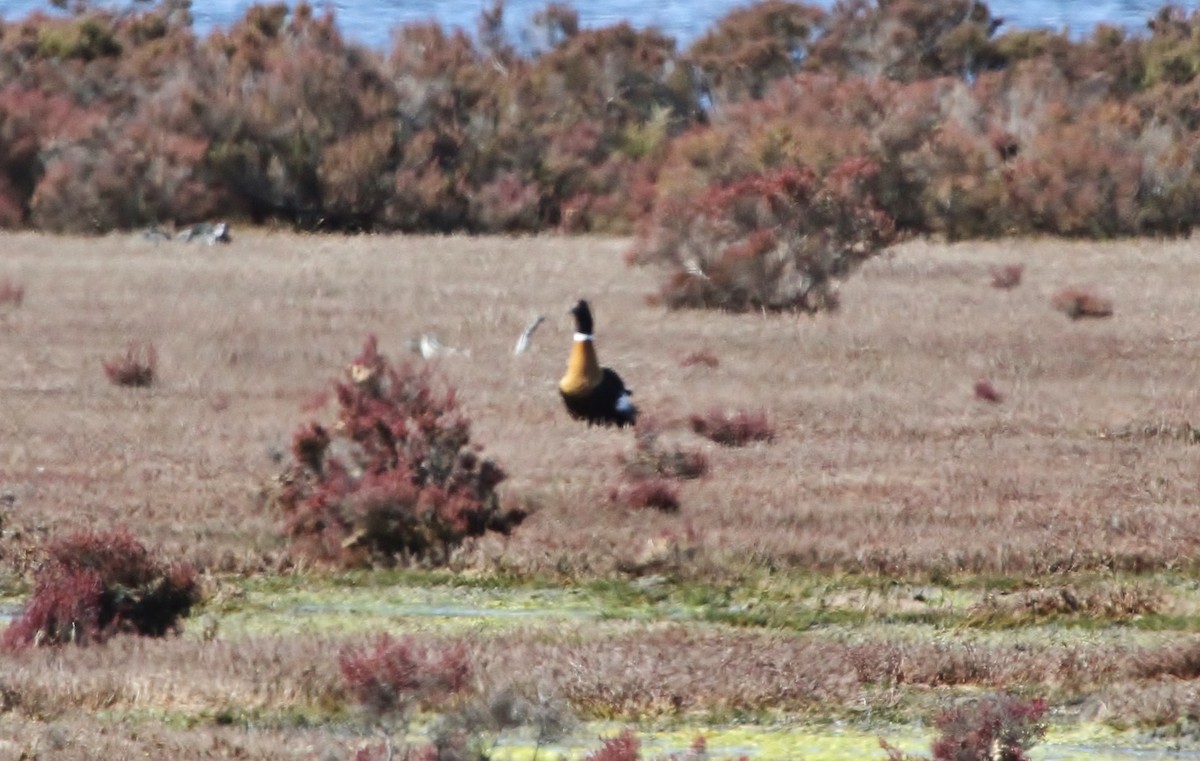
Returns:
point(371, 21)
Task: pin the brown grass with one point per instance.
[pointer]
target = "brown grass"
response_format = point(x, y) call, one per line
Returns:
point(880, 463)
point(878, 455)
point(617, 670)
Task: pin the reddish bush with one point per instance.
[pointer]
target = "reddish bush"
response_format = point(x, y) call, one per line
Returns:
point(1002, 727)
point(603, 104)
point(133, 171)
point(31, 122)
point(122, 118)
point(998, 727)
point(753, 46)
point(136, 368)
point(303, 133)
point(623, 747)
point(95, 585)
point(397, 476)
point(391, 675)
point(1007, 276)
point(774, 241)
point(11, 292)
point(653, 492)
point(702, 357)
point(1078, 303)
point(650, 459)
point(507, 204)
point(907, 40)
point(1058, 187)
point(735, 429)
point(987, 392)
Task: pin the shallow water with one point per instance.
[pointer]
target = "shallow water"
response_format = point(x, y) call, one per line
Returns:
point(283, 611)
point(371, 21)
point(833, 743)
point(9, 611)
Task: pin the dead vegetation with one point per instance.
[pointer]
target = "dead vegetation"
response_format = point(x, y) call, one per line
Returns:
point(1120, 603)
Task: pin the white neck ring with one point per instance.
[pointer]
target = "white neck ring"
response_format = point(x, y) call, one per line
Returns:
point(583, 337)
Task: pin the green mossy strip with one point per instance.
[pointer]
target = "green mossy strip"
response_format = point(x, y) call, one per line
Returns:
point(364, 601)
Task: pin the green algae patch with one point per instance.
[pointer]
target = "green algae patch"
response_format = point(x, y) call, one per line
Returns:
point(358, 601)
point(784, 601)
point(275, 608)
point(827, 742)
point(823, 743)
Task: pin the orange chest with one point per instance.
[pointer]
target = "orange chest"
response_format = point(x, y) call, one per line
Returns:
point(583, 370)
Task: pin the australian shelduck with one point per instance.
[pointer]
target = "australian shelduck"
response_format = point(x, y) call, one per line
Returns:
point(593, 393)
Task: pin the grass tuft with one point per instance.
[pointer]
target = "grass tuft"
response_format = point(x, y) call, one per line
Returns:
point(1078, 303)
point(733, 429)
point(1007, 276)
point(136, 368)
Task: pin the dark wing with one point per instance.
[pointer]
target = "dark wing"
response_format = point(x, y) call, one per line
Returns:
point(608, 403)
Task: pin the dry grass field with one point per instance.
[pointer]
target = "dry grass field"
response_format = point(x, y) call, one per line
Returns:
point(884, 459)
point(886, 468)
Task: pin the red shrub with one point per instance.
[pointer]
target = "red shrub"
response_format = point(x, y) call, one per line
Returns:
point(702, 357)
point(651, 460)
point(987, 392)
point(397, 476)
point(1003, 727)
point(653, 492)
point(772, 241)
point(95, 585)
point(597, 113)
point(506, 204)
point(137, 368)
point(31, 122)
point(623, 747)
point(733, 429)
point(1077, 303)
point(300, 122)
point(752, 46)
point(133, 171)
point(1007, 276)
point(906, 40)
point(11, 292)
point(122, 118)
point(392, 675)
point(455, 106)
point(985, 729)
point(1058, 186)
